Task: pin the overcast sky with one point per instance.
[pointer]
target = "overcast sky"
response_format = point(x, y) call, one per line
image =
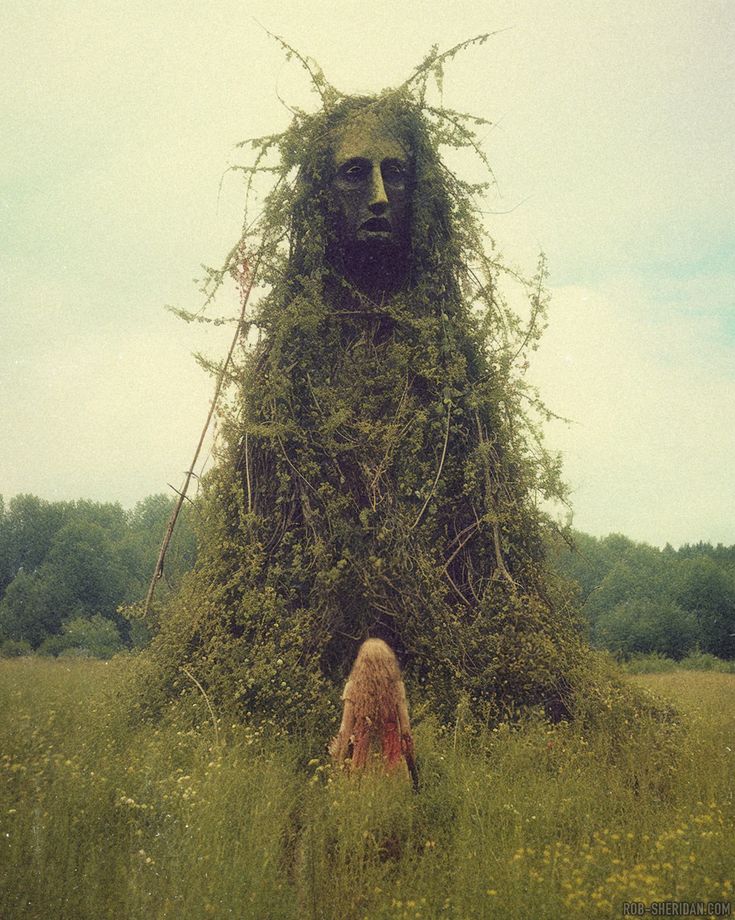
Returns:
point(613, 147)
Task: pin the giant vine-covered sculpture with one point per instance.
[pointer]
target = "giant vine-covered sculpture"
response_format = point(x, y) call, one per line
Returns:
point(382, 472)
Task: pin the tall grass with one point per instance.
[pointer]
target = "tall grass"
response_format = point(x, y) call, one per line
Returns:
point(655, 663)
point(100, 819)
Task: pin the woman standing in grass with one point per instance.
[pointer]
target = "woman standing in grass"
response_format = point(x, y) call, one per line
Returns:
point(375, 716)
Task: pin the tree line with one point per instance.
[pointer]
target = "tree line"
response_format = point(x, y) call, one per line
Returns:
point(68, 570)
point(638, 599)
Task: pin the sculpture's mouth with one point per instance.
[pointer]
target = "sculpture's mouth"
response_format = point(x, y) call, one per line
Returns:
point(377, 225)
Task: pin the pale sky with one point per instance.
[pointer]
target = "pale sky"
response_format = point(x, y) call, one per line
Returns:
point(613, 147)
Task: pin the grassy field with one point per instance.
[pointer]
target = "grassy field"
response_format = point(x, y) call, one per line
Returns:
point(101, 820)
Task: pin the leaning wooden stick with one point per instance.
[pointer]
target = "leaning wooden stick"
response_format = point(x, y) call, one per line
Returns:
point(158, 571)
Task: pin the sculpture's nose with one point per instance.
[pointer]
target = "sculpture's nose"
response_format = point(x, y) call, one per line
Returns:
point(378, 198)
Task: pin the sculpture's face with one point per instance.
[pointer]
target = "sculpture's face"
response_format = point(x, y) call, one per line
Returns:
point(371, 183)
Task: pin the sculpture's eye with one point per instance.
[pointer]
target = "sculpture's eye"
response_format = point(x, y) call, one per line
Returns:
point(354, 171)
point(394, 172)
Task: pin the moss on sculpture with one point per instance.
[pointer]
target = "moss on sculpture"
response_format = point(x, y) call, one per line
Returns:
point(382, 470)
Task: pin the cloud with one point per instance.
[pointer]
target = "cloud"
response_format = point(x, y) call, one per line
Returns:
point(100, 415)
point(651, 389)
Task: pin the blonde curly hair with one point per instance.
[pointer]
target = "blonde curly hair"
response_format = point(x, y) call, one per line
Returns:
point(375, 716)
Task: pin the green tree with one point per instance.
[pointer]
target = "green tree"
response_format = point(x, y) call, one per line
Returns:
point(14, 648)
point(85, 571)
point(109, 516)
point(81, 575)
point(636, 571)
point(146, 526)
point(76, 559)
point(96, 636)
point(642, 625)
point(708, 592)
point(581, 558)
point(27, 610)
point(27, 530)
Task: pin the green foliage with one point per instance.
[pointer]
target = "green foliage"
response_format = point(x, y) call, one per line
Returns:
point(651, 663)
point(638, 572)
point(383, 466)
point(27, 529)
point(639, 599)
point(26, 614)
point(708, 592)
point(702, 661)
point(79, 576)
point(139, 545)
point(11, 648)
point(65, 560)
point(641, 625)
point(96, 636)
point(84, 571)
